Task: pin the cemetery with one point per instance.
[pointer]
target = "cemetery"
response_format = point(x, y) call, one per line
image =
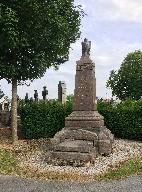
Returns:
point(70, 96)
point(81, 139)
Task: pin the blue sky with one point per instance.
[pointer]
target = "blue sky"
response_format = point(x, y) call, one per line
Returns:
point(114, 27)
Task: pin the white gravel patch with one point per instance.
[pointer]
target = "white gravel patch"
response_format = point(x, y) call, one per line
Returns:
point(122, 151)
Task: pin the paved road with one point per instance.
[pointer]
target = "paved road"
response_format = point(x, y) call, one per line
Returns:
point(16, 184)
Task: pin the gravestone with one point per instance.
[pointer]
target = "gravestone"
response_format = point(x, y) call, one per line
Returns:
point(26, 97)
point(31, 99)
point(36, 95)
point(84, 136)
point(44, 93)
point(62, 91)
point(4, 118)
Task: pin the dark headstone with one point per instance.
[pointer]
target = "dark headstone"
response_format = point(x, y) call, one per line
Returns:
point(26, 97)
point(36, 95)
point(44, 93)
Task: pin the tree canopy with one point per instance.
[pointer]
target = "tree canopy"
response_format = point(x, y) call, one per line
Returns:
point(35, 35)
point(127, 81)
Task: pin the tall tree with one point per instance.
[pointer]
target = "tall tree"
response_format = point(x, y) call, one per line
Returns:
point(34, 35)
point(127, 81)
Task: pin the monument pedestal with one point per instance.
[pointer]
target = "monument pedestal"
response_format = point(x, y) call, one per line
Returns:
point(84, 119)
point(84, 135)
point(83, 138)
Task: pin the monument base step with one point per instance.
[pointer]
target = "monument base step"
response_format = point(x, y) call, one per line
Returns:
point(72, 156)
point(73, 151)
point(75, 146)
point(84, 119)
point(81, 144)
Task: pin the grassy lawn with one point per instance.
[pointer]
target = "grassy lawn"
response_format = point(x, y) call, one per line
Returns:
point(130, 167)
point(8, 162)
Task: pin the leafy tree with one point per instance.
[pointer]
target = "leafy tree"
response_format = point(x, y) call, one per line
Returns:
point(70, 98)
point(127, 81)
point(34, 35)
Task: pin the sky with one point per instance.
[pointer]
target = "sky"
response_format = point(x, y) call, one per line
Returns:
point(114, 28)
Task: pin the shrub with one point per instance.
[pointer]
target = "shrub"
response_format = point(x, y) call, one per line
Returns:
point(45, 119)
point(124, 119)
point(42, 119)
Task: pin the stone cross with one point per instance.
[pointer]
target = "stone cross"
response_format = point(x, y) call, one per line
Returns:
point(44, 93)
point(26, 97)
point(36, 95)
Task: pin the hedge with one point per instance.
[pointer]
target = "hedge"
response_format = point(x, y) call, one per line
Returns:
point(42, 119)
point(124, 119)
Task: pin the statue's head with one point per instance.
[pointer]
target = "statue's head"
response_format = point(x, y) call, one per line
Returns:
point(85, 40)
point(44, 87)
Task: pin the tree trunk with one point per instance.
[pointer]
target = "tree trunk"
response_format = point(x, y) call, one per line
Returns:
point(14, 111)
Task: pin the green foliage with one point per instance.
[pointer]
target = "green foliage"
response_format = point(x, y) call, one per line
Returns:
point(35, 35)
point(130, 167)
point(70, 97)
point(43, 119)
point(127, 81)
point(124, 119)
point(8, 162)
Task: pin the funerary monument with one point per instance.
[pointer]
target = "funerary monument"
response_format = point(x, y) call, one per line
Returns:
point(84, 136)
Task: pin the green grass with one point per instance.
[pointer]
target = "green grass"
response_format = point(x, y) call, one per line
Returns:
point(8, 162)
point(130, 167)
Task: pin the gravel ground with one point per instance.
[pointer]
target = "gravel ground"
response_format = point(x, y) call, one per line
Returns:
point(17, 184)
point(122, 151)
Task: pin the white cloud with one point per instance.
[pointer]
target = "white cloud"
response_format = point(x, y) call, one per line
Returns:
point(114, 10)
point(127, 10)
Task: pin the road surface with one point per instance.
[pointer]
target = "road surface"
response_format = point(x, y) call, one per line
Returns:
point(17, 184)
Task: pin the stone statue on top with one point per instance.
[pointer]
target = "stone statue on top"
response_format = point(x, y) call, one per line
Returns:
point(86, 46)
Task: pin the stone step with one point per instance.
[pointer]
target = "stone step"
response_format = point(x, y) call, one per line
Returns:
point(75, 146)
point(73, 156)
point(79, 134)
